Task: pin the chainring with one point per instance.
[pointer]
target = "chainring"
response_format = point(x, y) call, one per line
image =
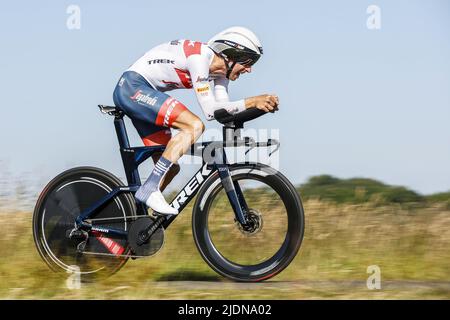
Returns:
point(153, 245)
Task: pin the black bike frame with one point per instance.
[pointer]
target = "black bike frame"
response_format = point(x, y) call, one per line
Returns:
point(132, 157)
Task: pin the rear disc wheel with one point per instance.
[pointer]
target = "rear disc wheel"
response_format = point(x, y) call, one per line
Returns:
point(65, 249)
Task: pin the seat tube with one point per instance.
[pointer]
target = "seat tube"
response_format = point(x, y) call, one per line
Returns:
point(128, 159)
point(121, 131)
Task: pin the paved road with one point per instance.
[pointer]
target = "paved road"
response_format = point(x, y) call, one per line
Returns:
point(310, 284)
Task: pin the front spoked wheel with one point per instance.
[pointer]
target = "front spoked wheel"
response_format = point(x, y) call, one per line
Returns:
point(93, 255)
point(268, 243)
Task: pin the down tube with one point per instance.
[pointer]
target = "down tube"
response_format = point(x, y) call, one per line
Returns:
point(190, 190)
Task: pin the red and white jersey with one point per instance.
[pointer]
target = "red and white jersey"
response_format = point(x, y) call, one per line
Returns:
point(184, 64)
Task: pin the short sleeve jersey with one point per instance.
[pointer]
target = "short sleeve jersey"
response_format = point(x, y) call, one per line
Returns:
point(184, 64)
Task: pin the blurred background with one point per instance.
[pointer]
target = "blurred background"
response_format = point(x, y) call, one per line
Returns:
point(363, 125)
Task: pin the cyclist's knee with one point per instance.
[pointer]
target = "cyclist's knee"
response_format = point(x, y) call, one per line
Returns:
point(198, 127)
point(189, 123)
point(195, 127)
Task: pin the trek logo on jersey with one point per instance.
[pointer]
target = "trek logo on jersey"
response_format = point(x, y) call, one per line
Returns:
point(155, 61)
point(169, 112)
point(143, 98)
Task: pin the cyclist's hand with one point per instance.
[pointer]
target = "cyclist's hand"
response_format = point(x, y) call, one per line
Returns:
point(265, 102)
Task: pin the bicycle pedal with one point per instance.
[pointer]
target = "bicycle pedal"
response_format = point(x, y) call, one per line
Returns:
point(153, 213)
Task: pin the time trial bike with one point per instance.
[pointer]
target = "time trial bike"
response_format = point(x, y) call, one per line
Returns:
point(247, 219)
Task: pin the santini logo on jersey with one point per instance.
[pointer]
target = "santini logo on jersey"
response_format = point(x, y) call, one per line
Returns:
point(143, 98)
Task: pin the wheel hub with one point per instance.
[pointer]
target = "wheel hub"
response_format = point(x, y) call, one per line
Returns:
point(254, 223)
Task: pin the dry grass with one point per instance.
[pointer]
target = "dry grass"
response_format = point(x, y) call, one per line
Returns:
point(341, 241)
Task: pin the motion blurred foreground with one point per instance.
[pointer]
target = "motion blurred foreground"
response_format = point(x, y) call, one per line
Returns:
point(350, 225)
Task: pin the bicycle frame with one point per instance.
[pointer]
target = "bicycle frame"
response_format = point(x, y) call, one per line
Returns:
point(132, 157)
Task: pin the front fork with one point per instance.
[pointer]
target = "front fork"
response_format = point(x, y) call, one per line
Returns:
point(232, 188)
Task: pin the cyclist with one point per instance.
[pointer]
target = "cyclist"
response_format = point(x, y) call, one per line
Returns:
point(184, 64)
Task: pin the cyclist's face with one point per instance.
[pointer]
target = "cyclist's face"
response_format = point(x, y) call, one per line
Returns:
point(238, 70)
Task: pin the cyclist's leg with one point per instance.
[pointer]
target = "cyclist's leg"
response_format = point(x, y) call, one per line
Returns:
point(177, 116)
point(152, 135)
point(152, 112)
point(165, 167)
point(191, 128)
point(173, 171)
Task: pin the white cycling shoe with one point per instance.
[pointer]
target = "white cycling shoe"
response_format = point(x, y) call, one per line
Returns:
point(157, 202)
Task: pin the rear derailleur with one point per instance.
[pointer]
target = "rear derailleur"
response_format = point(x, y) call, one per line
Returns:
point(80, 235)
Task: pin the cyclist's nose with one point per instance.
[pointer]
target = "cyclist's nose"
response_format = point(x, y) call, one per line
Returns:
point(248, 69)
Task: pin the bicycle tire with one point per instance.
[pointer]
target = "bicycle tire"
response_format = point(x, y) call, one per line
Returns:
point(295, 224)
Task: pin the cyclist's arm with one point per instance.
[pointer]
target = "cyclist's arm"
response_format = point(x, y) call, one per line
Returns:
point(210, 97)
point(221, 89)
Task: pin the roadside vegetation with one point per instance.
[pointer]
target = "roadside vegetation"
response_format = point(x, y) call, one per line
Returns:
point(350, 225)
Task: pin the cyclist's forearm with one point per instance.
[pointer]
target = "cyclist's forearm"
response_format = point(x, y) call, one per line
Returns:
point(209, 105)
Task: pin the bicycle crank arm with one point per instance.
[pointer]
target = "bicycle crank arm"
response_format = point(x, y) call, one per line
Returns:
point(145, 234)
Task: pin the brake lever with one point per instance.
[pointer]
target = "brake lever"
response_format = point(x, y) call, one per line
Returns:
point(276, 148)
point(249, 149)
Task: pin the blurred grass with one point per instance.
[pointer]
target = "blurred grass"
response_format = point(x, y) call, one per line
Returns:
point(341, 240)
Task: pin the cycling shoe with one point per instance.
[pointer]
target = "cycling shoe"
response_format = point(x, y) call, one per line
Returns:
point(157, 202)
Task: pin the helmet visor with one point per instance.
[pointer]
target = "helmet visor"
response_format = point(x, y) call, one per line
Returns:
point(238, 53)
point(248, 61)
point(242, 57)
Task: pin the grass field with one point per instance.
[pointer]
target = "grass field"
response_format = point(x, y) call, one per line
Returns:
point(409, 245)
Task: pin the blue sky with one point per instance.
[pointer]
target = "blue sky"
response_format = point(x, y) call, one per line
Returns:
point(354, 101)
